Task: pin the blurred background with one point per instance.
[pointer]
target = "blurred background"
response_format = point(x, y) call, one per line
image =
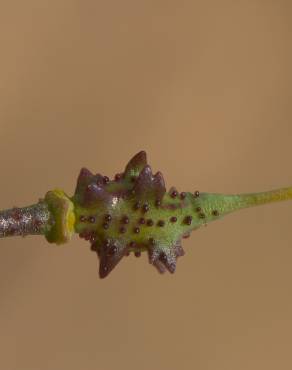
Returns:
point(205, 88)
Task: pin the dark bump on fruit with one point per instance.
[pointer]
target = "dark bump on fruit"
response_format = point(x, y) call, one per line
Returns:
point(157, 202)
point(160, 223)
point(105, 179)
point(136, 230)
point(107, 243)
point(150, 222)
point(173, 219)
point(188, 220)
point(105, 225)
point(215, 212)
point(132, 244)
point(82, 218)
point(198, 209)
point(108, 217)
point(91, 219)
point(113, 249)
point(183, 195)
point(163, 257)
point(125, 220)
point(174, 193)
point(118, 176)
point(123, 229)
point(137, 254)
point(142, 221)
point(202, 215)
point(145, 207)
point(196, 193)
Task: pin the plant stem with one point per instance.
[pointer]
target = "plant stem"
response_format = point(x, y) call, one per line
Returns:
point(31, 220)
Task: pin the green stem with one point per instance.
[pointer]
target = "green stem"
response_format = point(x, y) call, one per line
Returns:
point(227, 203)
point(255, 199)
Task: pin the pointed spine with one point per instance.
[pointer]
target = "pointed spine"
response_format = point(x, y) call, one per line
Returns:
point(135, 165)
point(149, 186)
point(109, 252)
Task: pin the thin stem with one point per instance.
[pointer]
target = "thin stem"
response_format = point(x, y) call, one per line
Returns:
point(276, 195)
point(31, 220)
point(227, 203)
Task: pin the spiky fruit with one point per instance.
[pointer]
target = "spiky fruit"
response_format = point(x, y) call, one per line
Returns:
point(132, 213)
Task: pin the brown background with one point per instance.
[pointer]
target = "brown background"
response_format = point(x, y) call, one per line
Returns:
point(205, 88)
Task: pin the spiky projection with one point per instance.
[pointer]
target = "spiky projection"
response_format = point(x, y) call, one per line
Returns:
point(128, 215)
